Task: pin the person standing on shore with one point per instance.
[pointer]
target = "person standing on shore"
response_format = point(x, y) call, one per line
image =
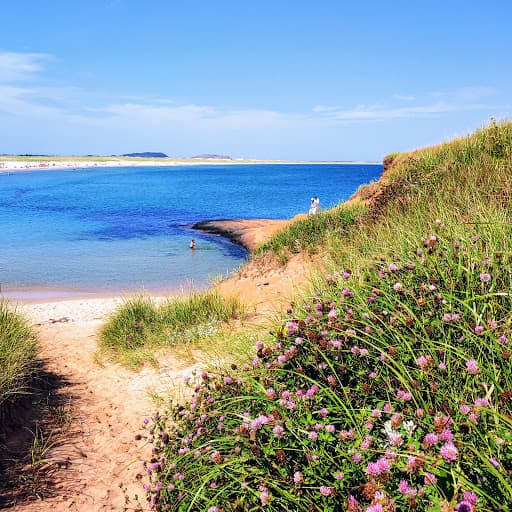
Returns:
point(315, 205)
point(312, 206)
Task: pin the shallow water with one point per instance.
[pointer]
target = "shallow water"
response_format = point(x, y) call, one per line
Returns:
point(121, 229)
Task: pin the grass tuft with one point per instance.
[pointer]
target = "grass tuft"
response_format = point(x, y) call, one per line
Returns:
point(18, 350)
point(139, 327)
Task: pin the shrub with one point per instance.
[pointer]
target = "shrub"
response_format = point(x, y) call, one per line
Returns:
point(390, 390)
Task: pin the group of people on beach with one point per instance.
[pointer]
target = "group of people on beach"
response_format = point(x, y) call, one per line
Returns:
point(315, 205)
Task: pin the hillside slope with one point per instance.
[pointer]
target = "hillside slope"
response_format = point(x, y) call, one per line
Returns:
point(390, 386)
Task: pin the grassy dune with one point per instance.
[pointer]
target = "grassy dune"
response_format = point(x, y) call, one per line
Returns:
point(18, 349)
point(140, 327)
point(389, 387)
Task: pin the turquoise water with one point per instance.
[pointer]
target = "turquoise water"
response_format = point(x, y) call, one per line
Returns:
point(127, 228)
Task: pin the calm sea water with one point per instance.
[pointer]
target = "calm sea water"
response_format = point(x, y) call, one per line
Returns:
point(127, 228)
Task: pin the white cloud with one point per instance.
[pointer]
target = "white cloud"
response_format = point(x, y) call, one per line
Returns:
point(21, 66)
point(404, 97)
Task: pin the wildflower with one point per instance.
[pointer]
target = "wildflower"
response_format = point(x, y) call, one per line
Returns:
point(387, 408)
point(366, 443)
point(325, 491)
point(330, 428)
point(298, 478)
point(494, 462)
point(264, 497)
point(392, 267)
point(442, 366)
point(332, 315)
point(446, 435)
point(352, 504)
point(398, 287)
point(472, 367)
point(464, 506)
point(339, 476)
point(424, 362)
point(429, 479)
point(270, 393)
point(258, 422)
point(313, 436)
point(278, 431)
point(485, 277)
point(404, 487)
point(346, 274)
point(228, 380)
point(471, 497)
point(420, 413)
point(431, 439)
point(503, 339)
point(474, 239)
point(324, 412)
point(213, 509)
point(357, 457)
point(465, 409)
point(479, 329)
point(404, 395)
point(396, 439)
point(449, 451)
point(377, 507)
point(482, 402)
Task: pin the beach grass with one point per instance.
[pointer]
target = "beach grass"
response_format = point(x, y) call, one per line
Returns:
point(389, 385)
point(139, 327)
point(309, 235)
point(18, 352)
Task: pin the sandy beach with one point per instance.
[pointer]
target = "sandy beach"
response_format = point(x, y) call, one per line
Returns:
point(8, 165)
point(108, 401)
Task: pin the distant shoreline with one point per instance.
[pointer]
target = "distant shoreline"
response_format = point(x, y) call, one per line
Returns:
point(21, 164)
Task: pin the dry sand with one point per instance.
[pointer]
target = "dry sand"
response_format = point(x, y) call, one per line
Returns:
point(109, 402)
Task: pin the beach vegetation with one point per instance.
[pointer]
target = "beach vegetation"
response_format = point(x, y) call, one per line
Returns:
point(309, 235)
point(140, 326)
point(388, 386)
point(18, 352)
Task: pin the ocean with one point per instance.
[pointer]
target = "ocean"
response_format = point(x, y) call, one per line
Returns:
point(119, 230)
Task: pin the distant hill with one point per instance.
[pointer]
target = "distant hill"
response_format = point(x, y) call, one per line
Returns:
point(209, 156)
point(147, 154)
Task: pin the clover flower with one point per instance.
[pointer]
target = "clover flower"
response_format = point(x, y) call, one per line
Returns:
point(278, 431)
point(464, 506)
point(472, 367)
point(404, 487)
point(325, 491)
point(429, 479)
point(485, 277)
point(298, 478)
point(449, 451)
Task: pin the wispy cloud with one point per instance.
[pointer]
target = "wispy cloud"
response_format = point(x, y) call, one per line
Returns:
point(435, 103)
point(21, 66)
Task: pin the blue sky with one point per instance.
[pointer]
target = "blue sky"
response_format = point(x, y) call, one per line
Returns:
point(324, 80)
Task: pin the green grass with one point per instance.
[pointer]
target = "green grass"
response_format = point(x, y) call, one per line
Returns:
point(402, 352)
point(139, 328)
point(309, 235)
point(18, 351)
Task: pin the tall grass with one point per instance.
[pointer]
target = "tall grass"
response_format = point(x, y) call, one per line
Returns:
point(18, 350)
point(390, 386)
point(137, 328)
point(309, 234)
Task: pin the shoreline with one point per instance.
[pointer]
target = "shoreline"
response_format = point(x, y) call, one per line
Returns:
point(11, 166)
point(248, 233)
